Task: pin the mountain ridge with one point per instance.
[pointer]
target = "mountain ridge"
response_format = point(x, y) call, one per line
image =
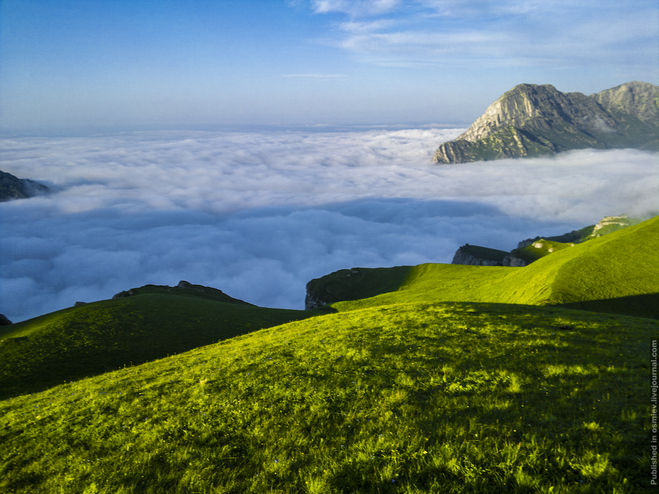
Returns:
point(619, 266)
point(535, 120)
point(531, 249)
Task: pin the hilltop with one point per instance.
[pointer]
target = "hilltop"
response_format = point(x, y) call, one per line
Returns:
point(135, 326)
point(535, 120)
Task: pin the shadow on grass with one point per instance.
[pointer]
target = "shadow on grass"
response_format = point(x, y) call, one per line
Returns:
point(646, 305)
point(108, 335)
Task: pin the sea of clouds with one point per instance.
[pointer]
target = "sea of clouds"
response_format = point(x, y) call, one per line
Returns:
point(258, 214)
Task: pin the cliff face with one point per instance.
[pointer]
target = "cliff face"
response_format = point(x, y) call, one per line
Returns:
point(353, 284)
point(534, 120)
point(474, 255)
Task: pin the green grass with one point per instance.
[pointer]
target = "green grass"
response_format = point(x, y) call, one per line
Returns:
point(615, 266)
point(107, 335)
point(449, 378)
point(411, 398)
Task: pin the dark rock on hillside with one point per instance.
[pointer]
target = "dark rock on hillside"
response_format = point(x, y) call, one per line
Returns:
point(353, 284)
point(12, 187)
point(535, 120)
point(4, 321)
point(474, 255)
point(183, 288)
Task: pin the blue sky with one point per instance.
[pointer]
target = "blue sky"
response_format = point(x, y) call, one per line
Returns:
point(147, 63)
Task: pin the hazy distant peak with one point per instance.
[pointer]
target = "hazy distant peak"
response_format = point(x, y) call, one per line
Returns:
point(12, 187)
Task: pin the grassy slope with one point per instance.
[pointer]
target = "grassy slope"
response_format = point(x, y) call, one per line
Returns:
point(541, 247)
point(406, 398)
point(621, 264)
point(107, 335)
point(400, 393)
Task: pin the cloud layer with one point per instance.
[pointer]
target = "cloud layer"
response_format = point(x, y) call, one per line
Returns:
point(258, 214)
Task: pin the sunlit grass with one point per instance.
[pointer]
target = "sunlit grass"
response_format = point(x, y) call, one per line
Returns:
point(621, 264)
point(428, 388)
point(403, 398)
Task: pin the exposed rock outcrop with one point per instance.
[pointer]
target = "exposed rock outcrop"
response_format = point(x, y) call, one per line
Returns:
point(353, 284)
point(474, 255)
point(535, 120)
point(311, 301)
point(12, 187)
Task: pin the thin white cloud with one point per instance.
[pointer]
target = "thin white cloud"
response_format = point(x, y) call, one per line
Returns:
point(355, 7)
point(314, 76)
point(508, 33)
point(258, 214)
point(361, 27)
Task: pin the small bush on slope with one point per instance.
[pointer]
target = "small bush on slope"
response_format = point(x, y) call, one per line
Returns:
point(408, 398)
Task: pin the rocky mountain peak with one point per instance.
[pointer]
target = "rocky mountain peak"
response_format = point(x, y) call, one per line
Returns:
point(514, 107)
point(534, 120)
point(537, 106)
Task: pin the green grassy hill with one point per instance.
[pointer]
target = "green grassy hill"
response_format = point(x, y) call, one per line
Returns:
point(618, 266)
point(151, 323)
point(460, 379)
point(412, 398)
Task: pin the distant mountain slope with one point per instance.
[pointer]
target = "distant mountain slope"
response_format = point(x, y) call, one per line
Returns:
point(534, 120)
point(153, 322)
point(623, 264)
point(532, 249)
point(12, 187)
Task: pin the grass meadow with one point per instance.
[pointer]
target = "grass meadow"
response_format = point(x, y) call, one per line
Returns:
point(459, 379)
point(406, 398)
